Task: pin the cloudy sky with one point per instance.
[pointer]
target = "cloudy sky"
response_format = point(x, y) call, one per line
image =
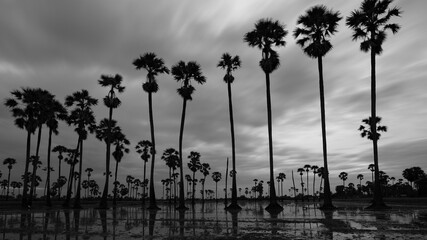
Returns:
point(65, 46)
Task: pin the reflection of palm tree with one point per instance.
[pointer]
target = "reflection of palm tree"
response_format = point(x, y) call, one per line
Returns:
point(184, 73)
point(230, 64)
point(370, 24)
point(111, 101)
point(267, 33)
point(318, 25)
point(9, 162)
point(154, 66)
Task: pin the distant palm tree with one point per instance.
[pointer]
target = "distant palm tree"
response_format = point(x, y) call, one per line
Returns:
point(60, 150)
point(189, 180)
point(231, 64)
point(154, 66)
point(314, 169)
point(185, 73)
point(307, 169)
point(370, 23)
point(171, 157)
point(343, 176)
point(317, 25)
point(301, 172)
point(89, 173)
point(9, 162)
point(371, 167)
point(22, 106)
point(83, 118)
point(205, 171)
point(360, 177)
point(282, 177)
point(144, 148)
point(114, 83)
point(55, 111)
point(119, 140)
point(268, 33)
point(194, 165)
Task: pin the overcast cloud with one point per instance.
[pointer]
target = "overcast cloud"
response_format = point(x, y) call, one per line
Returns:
point(64, 46)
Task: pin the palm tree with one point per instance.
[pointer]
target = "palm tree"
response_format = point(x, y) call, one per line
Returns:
point(343, 176)
point(154, 66)
point(317, 25)
point(268, 33)
point(185, 73)
point(83, 118)
point(314, 169)
point(171, 157)
point(194, 165)
point(205, 171)
point(9, 162)
point(111, 101)
point(60, 149)
point(189, 180)
point(144, 148)
point(231, 64)
point(301, 172)
point(120, 141)
point(55, 111)
point(370, 23)
point(282, 177)
point(22, 106)
point(307, 169)
point(360, 177)
point(371, 167)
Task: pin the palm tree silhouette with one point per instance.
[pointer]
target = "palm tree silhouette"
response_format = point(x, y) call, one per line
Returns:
point(370, 23)
point(60, 149)
point(317, 25)
point(111, 101)
point(22, 106)
point(154, 66)
point(119, 140)
point(171, 157)
point(83, 118)
point(216, 177)
point(205, 171)
point(231, 64)
point(9, 162)
point(268, 33)
point(371, 167)
point(360, 177)
point(185, 73)
point(343, 176)
point(194, 165)
point(314, 169)
point(307, 169)
point(301, 172)
point(55, 111)
point(144, 148)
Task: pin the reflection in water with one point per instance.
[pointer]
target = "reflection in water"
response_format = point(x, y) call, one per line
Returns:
point(302, 220)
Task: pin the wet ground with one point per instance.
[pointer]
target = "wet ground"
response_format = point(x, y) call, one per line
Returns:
point(211, 221)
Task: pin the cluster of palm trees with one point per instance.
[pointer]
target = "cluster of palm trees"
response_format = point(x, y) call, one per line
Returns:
point(34, 108)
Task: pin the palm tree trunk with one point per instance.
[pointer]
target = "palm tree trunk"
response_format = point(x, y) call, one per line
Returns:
point(77, 196)
point(33, 178)
point(181, 173)
point(308, 192)
point(24, 203)
point(153, 204)
point(378, 198)
point(327, 200)
point(216, 191)
point(115, 185)
point(273, 202)
point(234, 204)
point(293, 182)
point(49, 146)
point(103, 203)
point(314, 183)
point(71, 175)
point(226, 184)
point(8, 184)
point(143, 188)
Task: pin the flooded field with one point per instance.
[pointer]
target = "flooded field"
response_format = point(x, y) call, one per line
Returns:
point(211, 221)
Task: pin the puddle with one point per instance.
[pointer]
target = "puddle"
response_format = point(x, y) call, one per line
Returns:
point(211, 221)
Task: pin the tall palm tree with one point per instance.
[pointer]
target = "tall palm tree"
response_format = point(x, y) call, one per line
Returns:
point(268, 33)
point(9, 162)
point(231, 64)
point(185, 73)
point(317, 26)
point(154, 66)
point(55, 111)
point(194, 165)
point(144, 148)
point(82, 117)
point(370, 23)
point(120, 141)
point(22, 105)
point(114, 83)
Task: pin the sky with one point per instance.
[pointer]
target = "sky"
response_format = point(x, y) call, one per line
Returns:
point(65, 46)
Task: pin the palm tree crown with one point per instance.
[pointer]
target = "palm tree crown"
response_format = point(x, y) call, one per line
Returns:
point(230, 64)
point(185, 73)
point(318, 24)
